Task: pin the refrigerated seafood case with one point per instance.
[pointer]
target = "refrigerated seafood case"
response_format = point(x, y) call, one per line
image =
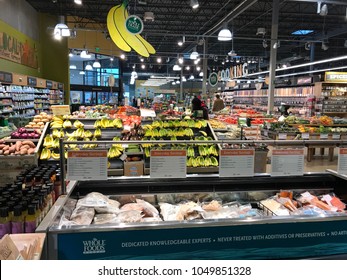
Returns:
point(252, 234)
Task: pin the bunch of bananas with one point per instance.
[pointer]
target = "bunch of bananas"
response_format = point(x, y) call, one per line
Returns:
point(55, 155)
point(114, 152)
point(190, 152)
point(72, 139)
point(97, 133)
point(56, 133)
point(79, 133)
point(116, 25)
point(67, 124)
point(57, 122)
point(88, 134)
point(147, 152)
point(89, 146)
point(48, 141)
point(201, 161)
point(45, 154)
point(78, 124)
point(97, 124)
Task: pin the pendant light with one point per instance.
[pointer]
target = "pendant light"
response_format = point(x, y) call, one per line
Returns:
point(225, 34)
point(194, 54)
point(96, 63)
point(89, 67)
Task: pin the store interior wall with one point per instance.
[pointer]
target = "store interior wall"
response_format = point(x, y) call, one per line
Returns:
point(20, 20)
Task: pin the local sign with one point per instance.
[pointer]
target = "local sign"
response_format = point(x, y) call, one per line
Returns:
point(134, 24)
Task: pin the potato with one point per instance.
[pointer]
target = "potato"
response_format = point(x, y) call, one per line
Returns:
point(24, 151)
point(2, 146)
point(26, 146)
point(12, 149)
point(30, 143)
point(6, 153)
point(6, 148)
point(18, 145)
point(31, 151)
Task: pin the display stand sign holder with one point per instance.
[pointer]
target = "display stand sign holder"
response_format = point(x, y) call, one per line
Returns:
point(168, 164)
point(287, 162)
point(236, 163)
point(87, 165)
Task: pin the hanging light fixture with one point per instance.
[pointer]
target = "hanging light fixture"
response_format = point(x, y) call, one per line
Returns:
point(96, 63)
point(194, 54)
point(82, 73)
point(191, 77)
point(61, 29)
point(78, 2)
point(176, 68)
point(225, 34)
point(322, 10)
point(159, 59)
point(194, 4)
point(122, 56)
point(88, 67)
point(85, 54)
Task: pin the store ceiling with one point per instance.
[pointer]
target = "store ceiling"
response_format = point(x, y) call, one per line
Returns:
point(174, 19)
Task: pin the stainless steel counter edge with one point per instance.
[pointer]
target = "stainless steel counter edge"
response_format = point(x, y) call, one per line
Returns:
point(336, 174)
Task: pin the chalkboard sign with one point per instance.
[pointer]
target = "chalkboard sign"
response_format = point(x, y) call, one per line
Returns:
point(49, 84)
point(60, 86)
point(32, 81)
point(6, 77)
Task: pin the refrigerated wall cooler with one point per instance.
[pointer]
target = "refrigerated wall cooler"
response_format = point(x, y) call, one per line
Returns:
point(244, 228)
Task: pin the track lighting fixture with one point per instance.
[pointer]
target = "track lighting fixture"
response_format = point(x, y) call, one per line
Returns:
point(264, 44)
point(324, 46)
point(194, 4)
point(322, 10)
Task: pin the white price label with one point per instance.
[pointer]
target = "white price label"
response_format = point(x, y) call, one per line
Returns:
point(87, 165)
point(236, 163)
point(336, 136)
point(305, 136)
point(123, 157)
point(324, 136)
point(342, 161)
point(282, 136)
point(168, 164)
point(287, 162)
point(266, 133)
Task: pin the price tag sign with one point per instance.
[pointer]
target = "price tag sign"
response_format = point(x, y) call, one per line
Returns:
point(236, 163)
point(342, 161)
point(324, 136)
point(87, 165)
point(336, 136)
point(168, 164)
point(266, 133)
point(147, 113)
point(60, 110)
point(282, 136)
point(305, 136)
point(287, 162)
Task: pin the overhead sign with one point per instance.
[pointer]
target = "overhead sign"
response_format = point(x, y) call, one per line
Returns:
point(213, 79)
point(336, 77)
point(233, 72)
point(134, 24)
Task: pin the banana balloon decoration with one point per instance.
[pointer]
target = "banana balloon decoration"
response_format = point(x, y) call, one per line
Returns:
point(126, 41)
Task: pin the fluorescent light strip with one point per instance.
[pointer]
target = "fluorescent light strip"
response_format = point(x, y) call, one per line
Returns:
point(313, 71)
point(302, 65)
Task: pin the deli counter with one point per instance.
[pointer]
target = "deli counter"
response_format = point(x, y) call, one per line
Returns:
point(200, 217)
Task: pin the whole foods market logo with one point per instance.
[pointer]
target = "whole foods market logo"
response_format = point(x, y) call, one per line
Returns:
point(134, 24)
point(94, 246)
point(213, 79)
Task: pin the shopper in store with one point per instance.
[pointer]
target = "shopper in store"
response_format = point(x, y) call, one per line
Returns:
point(196, 103)
point(218, 104)
point(284, 109)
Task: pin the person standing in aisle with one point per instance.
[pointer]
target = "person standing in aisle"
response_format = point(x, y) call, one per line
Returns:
point(218, 104)
point(196, 103)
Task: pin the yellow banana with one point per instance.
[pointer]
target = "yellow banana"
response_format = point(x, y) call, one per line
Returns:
point(147, 45)
point(113, 31)
point(119, 19)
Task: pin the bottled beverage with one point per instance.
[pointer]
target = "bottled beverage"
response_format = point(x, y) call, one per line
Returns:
point(5, 222)
point(17, 223)
point(10, 205)
point(30, 220)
